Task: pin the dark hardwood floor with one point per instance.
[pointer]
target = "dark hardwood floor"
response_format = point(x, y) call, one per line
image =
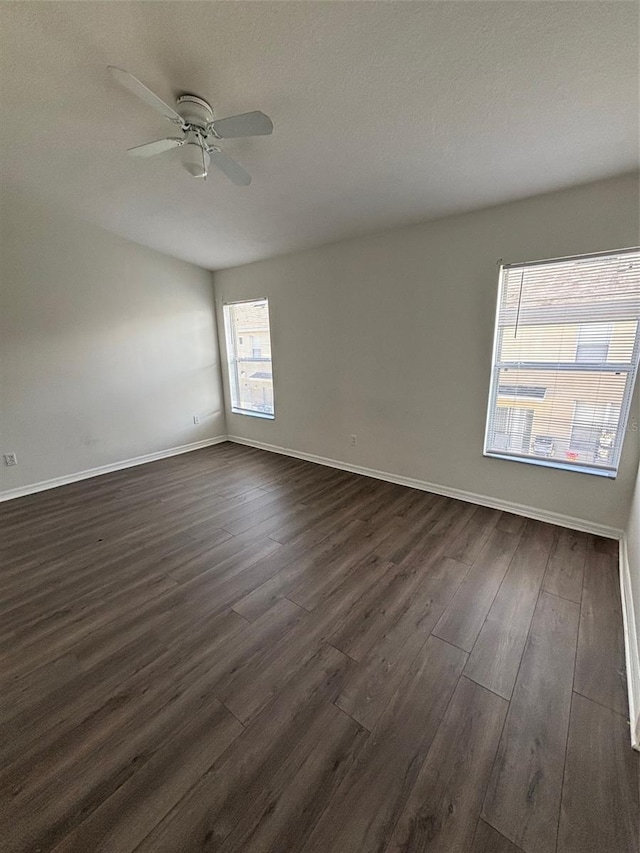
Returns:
point(236, 651)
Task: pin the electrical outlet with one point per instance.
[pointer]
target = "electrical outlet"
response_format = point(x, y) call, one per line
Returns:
point(196, 419)
point(10, 459)
point(354, 439)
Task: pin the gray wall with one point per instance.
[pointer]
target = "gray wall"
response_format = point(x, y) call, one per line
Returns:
point(107, 349)
point(389, 337)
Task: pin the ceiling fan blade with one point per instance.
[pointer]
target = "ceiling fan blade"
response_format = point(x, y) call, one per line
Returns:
point(157, 147)
point(231, 169)
point(141, 91)
point(247, 124)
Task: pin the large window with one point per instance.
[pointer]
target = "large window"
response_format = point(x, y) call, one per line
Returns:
point(565, 361)
point(249, 357)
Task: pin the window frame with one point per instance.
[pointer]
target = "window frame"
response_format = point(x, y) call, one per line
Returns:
point(231, 341)
point(630, 369)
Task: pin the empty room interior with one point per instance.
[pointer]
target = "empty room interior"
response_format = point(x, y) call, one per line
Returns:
point(319, 434)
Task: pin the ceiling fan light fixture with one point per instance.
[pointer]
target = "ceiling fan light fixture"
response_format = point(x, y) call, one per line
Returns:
point(195, 159)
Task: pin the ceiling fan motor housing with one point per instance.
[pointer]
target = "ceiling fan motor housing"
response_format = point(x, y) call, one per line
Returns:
point(194, 110)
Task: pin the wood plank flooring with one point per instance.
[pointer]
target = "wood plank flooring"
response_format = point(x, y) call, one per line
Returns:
point(238, 652)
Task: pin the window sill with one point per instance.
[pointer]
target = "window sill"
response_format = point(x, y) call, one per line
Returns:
point(559, 466)
point(264, 415)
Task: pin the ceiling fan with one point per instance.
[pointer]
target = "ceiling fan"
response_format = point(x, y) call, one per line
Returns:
point(200, 131)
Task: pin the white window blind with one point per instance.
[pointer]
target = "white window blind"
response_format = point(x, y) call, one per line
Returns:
point(248, 337)
point(565, 361)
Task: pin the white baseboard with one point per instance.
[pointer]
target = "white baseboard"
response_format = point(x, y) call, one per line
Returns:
point(42, 486)
point(631, 647)
point(447, 491)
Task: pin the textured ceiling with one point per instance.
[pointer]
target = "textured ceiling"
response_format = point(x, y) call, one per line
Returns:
point(385, 113)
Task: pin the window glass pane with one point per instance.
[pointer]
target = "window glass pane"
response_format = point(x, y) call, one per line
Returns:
point(249, 356)
point(566, 357)
point(558, 401)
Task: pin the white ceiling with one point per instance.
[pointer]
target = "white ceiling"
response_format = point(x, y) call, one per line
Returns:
point(385, 113)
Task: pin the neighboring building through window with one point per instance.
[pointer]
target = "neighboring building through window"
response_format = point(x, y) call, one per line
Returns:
point(565, 361)
point(248, 338)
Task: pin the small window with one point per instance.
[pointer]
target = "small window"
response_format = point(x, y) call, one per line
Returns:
point(593, 342)
point(250, 370)
point(565, 361)
point(532, 392)
point(512, 429)
point(593, 430)
point(256, 347)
